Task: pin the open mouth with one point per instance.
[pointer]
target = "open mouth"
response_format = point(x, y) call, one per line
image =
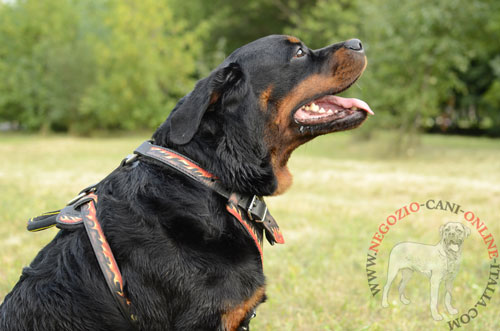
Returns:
point(454, 245)
point(330, 110)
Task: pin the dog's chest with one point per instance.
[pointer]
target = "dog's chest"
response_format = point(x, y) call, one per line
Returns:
point(233, 318)
point(452, 264)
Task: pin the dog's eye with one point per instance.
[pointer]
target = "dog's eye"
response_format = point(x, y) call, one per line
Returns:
point(300, 53)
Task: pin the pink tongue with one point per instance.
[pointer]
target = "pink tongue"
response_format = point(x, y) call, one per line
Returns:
point(347, 103)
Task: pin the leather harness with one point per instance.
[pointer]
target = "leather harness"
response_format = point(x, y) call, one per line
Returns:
point(250, 211)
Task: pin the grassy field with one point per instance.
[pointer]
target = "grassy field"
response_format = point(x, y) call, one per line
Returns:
point(343, 189)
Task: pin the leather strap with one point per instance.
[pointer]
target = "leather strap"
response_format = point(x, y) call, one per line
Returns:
point(83, 211)
point(252, 205)
point(255, 233)
point(250, 211)
point(42, 222)
point(104, 256)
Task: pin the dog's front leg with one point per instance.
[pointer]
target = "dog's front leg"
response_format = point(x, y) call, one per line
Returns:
point(447, 297)
point(435, 281)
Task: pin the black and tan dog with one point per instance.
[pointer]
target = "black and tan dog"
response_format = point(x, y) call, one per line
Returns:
point(187, 264)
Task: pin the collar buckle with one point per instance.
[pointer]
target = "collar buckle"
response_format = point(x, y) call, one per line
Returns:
point(257, 209)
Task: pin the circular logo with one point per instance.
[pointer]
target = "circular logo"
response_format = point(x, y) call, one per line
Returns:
point(438, 244)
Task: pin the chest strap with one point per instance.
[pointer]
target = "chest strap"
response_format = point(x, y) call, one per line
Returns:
point(83, 211)
point(104, 255)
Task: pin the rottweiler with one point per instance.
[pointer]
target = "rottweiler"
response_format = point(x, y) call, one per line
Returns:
point(186, 262)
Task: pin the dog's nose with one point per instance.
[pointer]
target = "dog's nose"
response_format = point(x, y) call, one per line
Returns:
point(354, 44)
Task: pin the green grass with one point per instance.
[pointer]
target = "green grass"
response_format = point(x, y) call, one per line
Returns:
point(343, 189)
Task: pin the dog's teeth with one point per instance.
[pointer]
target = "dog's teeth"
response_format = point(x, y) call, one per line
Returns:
point(314, 107)
point(330, 112)
point(322, 110)
point(354, 108)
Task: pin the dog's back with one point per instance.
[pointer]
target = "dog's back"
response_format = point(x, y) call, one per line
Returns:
point(416, 256)
point(60, 291)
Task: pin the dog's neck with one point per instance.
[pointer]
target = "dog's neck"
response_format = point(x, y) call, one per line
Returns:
point(242, 165)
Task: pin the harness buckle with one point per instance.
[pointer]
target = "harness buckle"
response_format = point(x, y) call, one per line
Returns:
point(257, 210)
point(82, 193)
point(75, 199)
point(129, 159)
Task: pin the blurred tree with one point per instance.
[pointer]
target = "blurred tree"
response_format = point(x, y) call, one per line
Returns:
point(82, 65)
point(145, 62)
point(422, 54)
point(479, 104)
point(30, 35)
point(227, 24)
point(85, 65)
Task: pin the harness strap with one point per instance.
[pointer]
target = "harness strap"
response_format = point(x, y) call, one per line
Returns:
point(83, 211)
point(250, 211)
point(252, 205)
point(104, 256)
point(233, 209)
point(42, 222)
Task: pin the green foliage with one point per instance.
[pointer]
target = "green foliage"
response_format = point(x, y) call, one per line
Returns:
point(143, 66)
point(30, 35)
point(423, 55)
point(81, 65)
point(85, 65)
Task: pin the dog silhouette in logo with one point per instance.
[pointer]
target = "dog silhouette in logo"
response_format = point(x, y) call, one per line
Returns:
point(438, 262)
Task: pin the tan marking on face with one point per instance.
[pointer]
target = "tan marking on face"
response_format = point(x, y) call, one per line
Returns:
point(264, 97)
point(233, 318)
point(281, 139)
point(293, 39)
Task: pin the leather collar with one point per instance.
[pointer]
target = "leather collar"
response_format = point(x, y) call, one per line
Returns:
point(250, 210)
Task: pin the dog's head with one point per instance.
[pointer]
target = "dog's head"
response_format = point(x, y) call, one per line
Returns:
point(453, 235)
point(266, 99)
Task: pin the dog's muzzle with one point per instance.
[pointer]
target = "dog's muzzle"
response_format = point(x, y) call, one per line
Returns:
point(453, 242)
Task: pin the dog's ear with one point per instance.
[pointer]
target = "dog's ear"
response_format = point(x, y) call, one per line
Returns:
point(441, 230)
point(187, 118)
point(467, 230)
